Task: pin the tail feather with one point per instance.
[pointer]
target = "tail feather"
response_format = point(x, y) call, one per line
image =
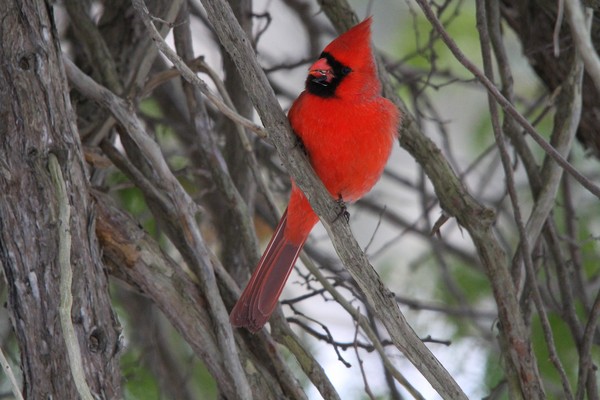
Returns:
point(259, 299)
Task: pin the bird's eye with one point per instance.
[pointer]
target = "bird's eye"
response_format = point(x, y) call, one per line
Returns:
point(346, 70)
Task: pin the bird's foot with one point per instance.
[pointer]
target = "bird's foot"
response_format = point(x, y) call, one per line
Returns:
point(344, 210)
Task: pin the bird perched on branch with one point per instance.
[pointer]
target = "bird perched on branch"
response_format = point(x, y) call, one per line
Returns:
point(348, 131)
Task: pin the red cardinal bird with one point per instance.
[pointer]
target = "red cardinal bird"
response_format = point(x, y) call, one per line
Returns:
point(348, 131)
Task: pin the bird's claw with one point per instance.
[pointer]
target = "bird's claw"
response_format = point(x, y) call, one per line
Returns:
point(344, 210)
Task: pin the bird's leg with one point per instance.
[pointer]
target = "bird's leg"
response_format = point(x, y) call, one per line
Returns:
point(344, 210)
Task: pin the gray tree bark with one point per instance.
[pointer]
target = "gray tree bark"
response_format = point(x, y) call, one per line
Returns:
point(37, 123)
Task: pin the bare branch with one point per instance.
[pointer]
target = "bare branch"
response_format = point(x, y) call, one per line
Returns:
point(587, 370)
point(11, 376)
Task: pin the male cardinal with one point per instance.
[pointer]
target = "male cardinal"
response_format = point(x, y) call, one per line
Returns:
point(347, 130)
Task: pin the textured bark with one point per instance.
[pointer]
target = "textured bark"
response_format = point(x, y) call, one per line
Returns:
point(36, 120)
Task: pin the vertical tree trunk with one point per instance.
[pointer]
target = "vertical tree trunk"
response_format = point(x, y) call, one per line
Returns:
point(36, 120)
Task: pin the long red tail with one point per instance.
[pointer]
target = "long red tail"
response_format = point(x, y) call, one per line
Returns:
point(257, 302)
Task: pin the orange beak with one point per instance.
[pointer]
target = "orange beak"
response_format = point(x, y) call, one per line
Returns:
point(321, 71)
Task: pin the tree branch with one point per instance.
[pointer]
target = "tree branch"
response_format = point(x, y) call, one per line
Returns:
point(11, 376)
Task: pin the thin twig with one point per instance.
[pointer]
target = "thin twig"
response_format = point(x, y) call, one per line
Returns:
point(560, 14)
point(511, 128)
point(249, 151)
point(125, 166)
point(164, 76)
point(360, 361)
point(11, 376)
point(364, 324)
point(574, 249)
point(566, 122)
point(586, 367)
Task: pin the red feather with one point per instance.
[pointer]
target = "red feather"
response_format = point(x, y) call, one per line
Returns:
point(348, 131)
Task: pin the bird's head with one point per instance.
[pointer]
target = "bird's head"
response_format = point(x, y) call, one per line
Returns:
point(346, 67)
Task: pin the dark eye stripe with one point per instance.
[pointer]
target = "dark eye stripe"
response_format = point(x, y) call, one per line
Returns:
point(339, 71)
